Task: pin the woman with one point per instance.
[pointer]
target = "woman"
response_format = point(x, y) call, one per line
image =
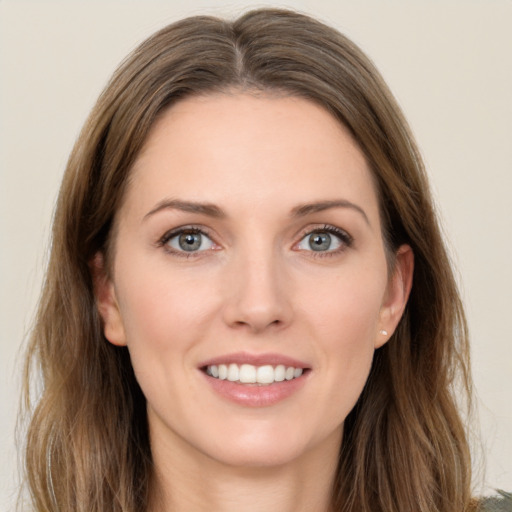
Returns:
point(248, 302)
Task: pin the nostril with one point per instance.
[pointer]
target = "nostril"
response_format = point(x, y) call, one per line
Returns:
point(258, 324)
point(257, 306)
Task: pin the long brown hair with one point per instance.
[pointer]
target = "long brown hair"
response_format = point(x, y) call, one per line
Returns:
point(404, 445)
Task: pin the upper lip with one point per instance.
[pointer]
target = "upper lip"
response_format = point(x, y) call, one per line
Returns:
point(255, 360)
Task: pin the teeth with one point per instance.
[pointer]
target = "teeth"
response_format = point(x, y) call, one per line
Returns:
point(233, 373)
point(223, 372)
point(279, 373)
point(265, 375)
point(249, 374)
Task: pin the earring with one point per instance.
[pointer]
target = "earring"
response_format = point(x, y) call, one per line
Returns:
point(383, 332)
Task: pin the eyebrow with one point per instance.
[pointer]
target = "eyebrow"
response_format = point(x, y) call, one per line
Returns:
point(211, 210)
point(309, 208)
point(208, 209)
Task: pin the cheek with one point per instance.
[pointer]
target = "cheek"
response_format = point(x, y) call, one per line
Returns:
point(165, 315)
point(349, 340)
point(346, 306)
point(345, 323)
point(163, 312)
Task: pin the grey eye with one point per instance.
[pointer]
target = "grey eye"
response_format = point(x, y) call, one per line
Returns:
point(190, 241)
point(319, 241)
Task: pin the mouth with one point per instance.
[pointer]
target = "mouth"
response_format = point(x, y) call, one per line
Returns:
point(255, 380)
point(244, 374)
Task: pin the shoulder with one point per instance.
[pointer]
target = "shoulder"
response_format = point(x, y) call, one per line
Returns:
point(500, 503)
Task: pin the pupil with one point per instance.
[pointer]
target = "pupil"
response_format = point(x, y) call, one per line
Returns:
point(190, 241)
point(320, 241)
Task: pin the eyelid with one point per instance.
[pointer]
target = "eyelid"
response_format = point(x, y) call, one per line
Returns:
point(346, 240)
point(343, 236)
point(188, 228)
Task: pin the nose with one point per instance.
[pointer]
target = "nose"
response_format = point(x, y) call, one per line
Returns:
point(259, 293)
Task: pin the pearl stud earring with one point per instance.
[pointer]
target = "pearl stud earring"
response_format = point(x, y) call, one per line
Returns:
point(383, 332)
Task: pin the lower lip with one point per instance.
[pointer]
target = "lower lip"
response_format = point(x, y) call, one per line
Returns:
point(252, 395)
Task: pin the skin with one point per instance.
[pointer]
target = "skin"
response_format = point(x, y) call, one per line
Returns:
point(254, 286)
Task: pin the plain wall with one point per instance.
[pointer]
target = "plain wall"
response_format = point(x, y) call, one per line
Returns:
point(449, 64)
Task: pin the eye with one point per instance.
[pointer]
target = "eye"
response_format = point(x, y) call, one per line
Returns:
point(188, 240)
point(328, 239)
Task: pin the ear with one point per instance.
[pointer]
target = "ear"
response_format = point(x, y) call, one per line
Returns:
point(106, 302)
point(397, 294)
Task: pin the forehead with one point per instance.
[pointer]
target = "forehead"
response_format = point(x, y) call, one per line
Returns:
point(252, 148)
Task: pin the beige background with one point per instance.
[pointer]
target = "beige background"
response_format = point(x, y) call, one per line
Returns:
point(450, 65)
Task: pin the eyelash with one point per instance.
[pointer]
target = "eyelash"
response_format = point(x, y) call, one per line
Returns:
point(169, 235)
point(345, 239)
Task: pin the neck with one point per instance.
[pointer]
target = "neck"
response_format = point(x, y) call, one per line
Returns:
point(183, 482)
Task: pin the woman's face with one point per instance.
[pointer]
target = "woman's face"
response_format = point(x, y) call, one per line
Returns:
point(249, 247)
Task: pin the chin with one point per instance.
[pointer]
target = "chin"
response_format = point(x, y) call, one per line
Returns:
point(258, 456)
point(273, 446)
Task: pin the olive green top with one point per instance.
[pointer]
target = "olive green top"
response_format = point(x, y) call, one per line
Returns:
point(500, 503)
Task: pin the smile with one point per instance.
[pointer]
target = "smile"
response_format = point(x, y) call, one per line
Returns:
point(250, 374)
